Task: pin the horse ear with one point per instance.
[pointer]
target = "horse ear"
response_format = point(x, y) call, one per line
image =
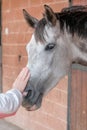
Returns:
point(30, 20)
point(50, 15)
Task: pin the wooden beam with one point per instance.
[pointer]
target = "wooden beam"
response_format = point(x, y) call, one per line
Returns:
point(77, 98)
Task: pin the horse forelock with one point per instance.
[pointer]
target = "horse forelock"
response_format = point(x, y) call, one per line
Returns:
point(39, 31)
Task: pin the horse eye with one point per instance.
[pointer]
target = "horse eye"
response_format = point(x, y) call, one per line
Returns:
point(50, 46)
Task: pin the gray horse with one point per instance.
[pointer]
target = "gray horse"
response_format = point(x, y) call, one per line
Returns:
point(59, 40)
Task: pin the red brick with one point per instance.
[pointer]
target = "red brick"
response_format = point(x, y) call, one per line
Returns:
point(59, 1)
point(55, 110)
point(14, 61)
point(7, 83)
point(5, 5)
point(12, 38)
point(7, 16)
point(80, 2)
point(47, 1)
point(14, 50)
point(10, 60)
point(14, 15)
point(18, 14)
point(63, 84)
point(13, 27)
point(24, 27)
point(35, 11)
point(23, 61)
point(57, 96)
point(58, 6)
point(30, 124)
point(10, 72)
point(22, 50)
point(18, 4)
point(4, 16)
point(49, 121)
point(40, 118)
point(34, 2)
point(15, 38)
point(40, 127)
point(21, 38)
point(10, 50)
point(4, 39)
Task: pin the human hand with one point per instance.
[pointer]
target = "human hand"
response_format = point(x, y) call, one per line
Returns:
point(22, 79)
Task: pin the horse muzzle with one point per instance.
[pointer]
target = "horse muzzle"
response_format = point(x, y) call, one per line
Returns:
point(32, 101)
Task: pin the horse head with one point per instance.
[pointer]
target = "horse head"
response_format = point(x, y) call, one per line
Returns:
point(50, 54)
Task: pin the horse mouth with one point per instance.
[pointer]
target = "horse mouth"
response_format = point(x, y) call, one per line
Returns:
point(32, 108)
point(32, 104)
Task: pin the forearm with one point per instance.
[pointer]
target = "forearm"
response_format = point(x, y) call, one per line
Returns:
point(10, 101)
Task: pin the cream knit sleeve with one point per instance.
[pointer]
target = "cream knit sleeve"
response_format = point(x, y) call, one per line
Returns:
point(10, 101)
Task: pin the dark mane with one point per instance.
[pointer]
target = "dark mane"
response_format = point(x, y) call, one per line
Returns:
point(40, 30)
point(75, 19)
point(74, 8)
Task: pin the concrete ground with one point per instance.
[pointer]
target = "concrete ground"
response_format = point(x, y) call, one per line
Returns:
point(4, 125)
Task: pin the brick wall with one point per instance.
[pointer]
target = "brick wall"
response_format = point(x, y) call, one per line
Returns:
point(80, 2)
point(15, 35)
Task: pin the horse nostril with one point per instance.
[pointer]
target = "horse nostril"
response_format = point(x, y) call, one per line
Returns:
point(30, 94)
